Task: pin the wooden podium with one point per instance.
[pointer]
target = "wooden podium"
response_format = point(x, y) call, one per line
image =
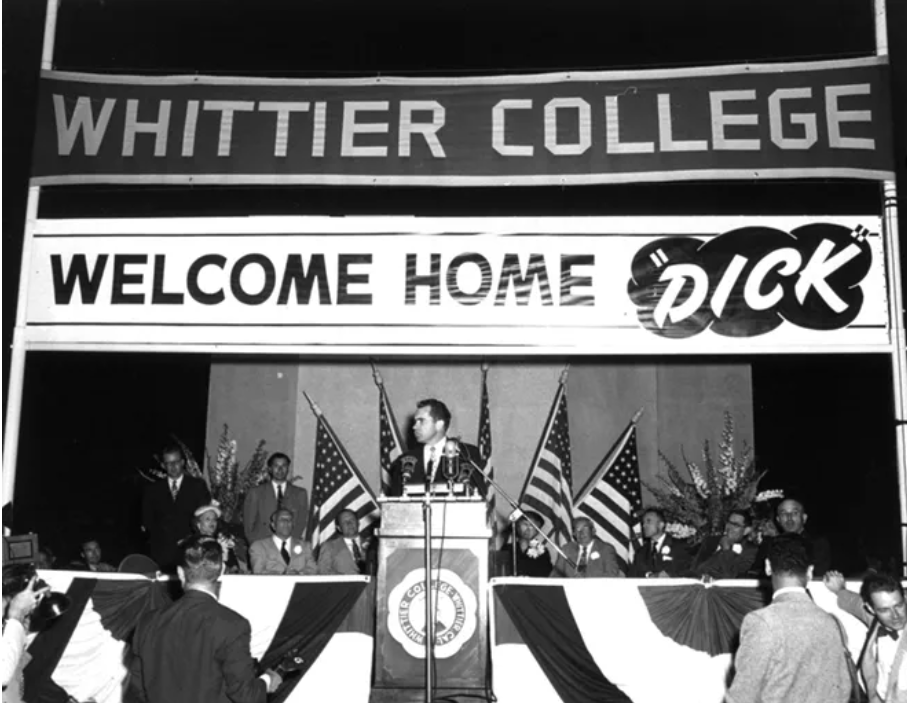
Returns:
point(459, 556)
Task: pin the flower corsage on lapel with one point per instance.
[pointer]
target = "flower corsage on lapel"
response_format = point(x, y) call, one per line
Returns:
point(666, 553)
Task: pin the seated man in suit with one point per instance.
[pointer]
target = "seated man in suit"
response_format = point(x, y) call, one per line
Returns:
point(196, 649)
point(91, 558)
point(261, 502)
point(791, 650)
point(437, 454)
point(344, 553)
point(727, 556)
point(282, 553)
point(591, 557)
point(882, 608)
point(661, 556)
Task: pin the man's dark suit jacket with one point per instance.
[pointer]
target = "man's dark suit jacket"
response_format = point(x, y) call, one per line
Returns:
point(418, 478)
point(167, 521)
point(673, 558)
point(725, 563)
point(195, 650)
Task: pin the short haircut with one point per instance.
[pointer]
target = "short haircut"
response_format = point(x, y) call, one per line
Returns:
point(789, 554)
point(879, 582)
point(657, 512)
point(533, 516)
point(345, 510)
point(202, 559)
point(745, 514)
point(580, 520)
point(283, 510)
point(278, 455)
point(436, 409)
point(172, 448)
point(793, 499)
point(88, 539)
point(16, 578)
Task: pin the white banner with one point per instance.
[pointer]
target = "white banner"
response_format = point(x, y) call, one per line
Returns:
point(584, 285)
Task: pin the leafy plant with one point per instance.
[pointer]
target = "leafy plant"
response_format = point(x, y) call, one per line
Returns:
point(227, 481)
point(699, 507)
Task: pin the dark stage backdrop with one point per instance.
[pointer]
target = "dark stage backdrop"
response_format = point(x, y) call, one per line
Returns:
point(822, 430)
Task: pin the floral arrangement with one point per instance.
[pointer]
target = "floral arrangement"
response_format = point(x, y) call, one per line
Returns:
point(227, 481)
point(697, 508)
point(536, 548)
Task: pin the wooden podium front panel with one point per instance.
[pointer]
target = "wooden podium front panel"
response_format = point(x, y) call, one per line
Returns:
point(459, 579)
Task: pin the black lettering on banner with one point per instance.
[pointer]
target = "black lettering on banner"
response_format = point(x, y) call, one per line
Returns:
point(236, 279)
point(195, 291)
point(748, 281)
point(522, 285)
point(453, 286)
point(65, 281)
point(431, 279)
point(121, 279)
point(158, 295)
point(569, 281)
point(345, 279)
point(296, 276)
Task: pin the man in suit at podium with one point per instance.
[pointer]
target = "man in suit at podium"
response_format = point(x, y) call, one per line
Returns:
point(429, 463)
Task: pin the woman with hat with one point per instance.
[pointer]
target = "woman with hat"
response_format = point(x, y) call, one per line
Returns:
point(530, 556)
point(207, 523)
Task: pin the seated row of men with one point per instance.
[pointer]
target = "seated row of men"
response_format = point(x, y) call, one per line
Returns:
point(730, 555)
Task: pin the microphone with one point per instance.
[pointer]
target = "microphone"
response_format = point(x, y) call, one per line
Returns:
point(452, 454)
point(407, 466)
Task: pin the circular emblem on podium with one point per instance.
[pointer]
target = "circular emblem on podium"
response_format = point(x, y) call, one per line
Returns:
point(455, 613)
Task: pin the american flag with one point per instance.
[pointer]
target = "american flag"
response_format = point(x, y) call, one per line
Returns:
point(549, 486)
point(612, 497)
point(390, 441)
point(336, 485)
point(485, 447)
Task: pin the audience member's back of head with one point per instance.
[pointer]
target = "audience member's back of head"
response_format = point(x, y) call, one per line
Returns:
point(201, 559)
point(789, 556)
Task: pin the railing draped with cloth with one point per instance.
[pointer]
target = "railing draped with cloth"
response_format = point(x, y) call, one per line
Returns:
point(84, 654)
point(624, 640)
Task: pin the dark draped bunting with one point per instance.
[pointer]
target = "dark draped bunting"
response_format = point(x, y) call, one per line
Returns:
point(706, 619)
point(544, 619)
point(50, 643)
point(120, 604)
point(313, 614)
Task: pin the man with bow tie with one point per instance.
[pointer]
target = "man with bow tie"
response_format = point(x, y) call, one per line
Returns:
point(661, 556)
point(344, 553)
point(882, 608)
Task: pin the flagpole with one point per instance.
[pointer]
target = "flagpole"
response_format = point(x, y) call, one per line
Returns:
point(593, 479)
point(562, 383)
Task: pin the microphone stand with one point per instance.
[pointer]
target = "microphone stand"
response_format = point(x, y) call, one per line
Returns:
point(517, 511)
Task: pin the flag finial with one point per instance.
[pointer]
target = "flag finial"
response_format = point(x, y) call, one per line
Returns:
point(376, 374)
point(485, 366)
point(638, 415)
point(564, 373)
point(315, 408)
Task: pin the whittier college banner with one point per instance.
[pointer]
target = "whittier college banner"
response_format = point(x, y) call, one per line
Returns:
point(580, 285)
point(794, 120)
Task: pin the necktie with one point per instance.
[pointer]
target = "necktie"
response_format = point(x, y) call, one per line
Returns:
point(279, 496)
point(357, 555)
point(174, 488)
point(284, 552)
point(583, 560)
point(887, 632)
point(653, 546)
point(431, 463)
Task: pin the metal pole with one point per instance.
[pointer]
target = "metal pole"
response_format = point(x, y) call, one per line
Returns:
point(17, 358)
point(429, 611)
point(896, 305)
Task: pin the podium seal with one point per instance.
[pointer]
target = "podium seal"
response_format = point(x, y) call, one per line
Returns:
point(455, 613)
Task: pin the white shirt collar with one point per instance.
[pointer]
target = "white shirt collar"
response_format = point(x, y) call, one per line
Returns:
point(660, 541)
point(179, 481)
point(278, 542)
point(789, 589)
